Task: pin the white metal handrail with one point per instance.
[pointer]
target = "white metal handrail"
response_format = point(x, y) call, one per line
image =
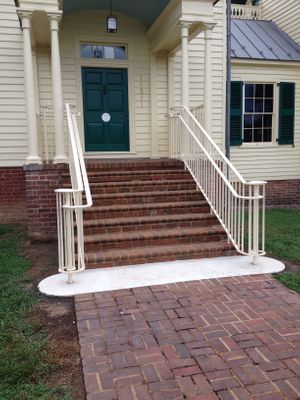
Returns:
point(198, 112)
point(246, 12)
point(239, 205)
point(70, 207)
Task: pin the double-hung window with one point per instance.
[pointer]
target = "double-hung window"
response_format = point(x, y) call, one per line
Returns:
point(258, 112)
point(262, 112)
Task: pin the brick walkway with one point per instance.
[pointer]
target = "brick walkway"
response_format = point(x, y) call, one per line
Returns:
point(229, 339)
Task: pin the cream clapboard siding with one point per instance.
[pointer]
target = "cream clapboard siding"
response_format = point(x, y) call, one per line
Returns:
point(89, 26)
point(269, 161)
point(286, 13)
point(196, 59)
point(13, 131)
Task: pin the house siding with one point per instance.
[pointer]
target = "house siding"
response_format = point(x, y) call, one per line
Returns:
point(269, 161)
point(285, 13)
point(13, 131)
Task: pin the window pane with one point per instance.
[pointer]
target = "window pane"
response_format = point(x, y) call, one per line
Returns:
point(259, 105)
point(120, 53)
point(258, 135)
point(248, 121)
point(109, 52)
point(249, 106)
point(86, 51)
point(267, 121)
point(257, 121)
point(248, 135)
point(269, 105)
point(249, 90)
point(97, 51)
point(267, 135)
point(259, 90)
point(269, 90)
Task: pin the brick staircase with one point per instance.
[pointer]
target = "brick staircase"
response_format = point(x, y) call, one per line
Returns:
point(148, 211)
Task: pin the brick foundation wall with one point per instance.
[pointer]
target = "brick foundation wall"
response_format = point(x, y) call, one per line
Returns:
point(12, 195)
point(283, 193)
point(41, 182)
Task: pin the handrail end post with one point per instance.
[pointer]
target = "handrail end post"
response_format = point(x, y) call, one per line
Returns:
point(70, 279)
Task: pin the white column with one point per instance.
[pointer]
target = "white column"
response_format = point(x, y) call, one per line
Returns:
point(185, 82)
point(154, 108)
point(208, 79)
point(171, 94)
point(32, 128)
point(57, 98)
point(171, 97)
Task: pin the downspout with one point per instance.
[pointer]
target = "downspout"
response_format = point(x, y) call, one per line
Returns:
point(17, 4)
point(228, 80)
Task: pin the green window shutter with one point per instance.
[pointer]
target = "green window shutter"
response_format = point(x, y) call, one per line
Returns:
point(286, 112)
point(236, 114)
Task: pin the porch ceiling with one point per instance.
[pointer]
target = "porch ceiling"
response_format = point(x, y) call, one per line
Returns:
point(145, 11)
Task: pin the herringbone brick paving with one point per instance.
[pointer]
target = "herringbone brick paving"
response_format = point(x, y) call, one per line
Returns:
point(229, 339)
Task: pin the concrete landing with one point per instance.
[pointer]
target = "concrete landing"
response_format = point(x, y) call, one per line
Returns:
point(134, 276)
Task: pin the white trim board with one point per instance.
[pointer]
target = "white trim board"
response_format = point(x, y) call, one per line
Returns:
point(128, 277)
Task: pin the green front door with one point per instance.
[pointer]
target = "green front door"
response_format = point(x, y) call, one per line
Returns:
point(105, 104)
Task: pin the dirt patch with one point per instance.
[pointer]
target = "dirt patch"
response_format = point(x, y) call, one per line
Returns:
point(291, 266)
point(57, 316)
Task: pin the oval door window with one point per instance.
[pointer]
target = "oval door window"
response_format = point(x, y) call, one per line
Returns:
point(106, 117)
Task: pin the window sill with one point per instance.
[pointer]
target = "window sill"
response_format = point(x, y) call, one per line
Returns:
point(270, 145)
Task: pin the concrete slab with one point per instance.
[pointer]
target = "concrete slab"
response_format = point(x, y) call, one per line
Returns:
point(133, 276)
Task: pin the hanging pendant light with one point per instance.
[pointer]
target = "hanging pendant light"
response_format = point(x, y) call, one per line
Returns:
point(111, 22)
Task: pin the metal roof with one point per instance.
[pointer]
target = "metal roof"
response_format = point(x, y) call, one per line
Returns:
point(262, 40)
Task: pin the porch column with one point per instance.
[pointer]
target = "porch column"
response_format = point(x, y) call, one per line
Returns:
point(208, 79)
point(57, 98)
point(184, 63)
point(32, 128)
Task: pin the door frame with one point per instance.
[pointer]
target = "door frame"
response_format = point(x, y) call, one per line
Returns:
point(124, 111)
point(99, 63)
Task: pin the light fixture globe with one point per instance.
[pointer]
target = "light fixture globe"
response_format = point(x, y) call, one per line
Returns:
point(111, 24)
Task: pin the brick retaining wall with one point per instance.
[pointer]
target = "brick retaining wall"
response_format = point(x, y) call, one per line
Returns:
point(283, 193)
point(12, 195)
point(41, 182)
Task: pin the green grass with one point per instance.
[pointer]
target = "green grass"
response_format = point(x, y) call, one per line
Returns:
point(283, 242)
point(23, 370)
point(283, 234)
point(290, 279)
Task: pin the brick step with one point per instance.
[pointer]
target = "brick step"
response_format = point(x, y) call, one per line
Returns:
point(175, 236)
point(134, 175)
point(142, 255)
point(141, 164)
point(123, 224)
point(147, 197)
point(134, 210)
point(141, 186)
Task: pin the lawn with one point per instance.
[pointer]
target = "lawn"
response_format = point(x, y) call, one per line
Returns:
point(23, 366)
point(283, 242)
